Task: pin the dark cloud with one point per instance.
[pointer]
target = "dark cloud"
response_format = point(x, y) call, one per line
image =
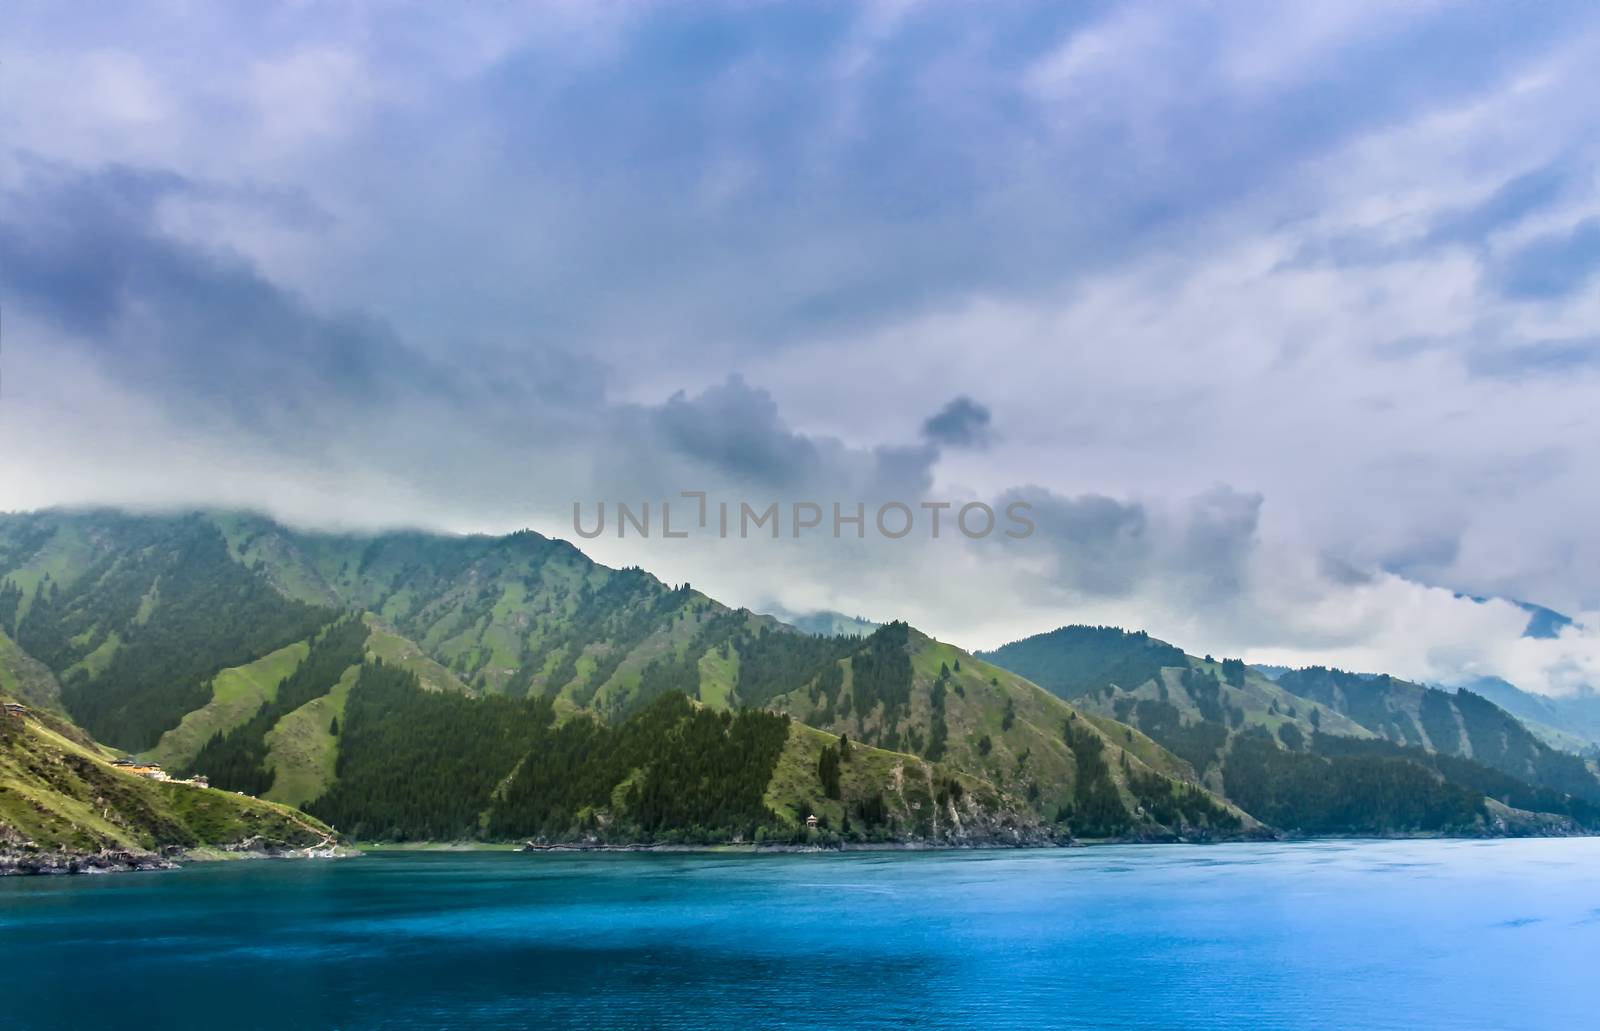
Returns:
point(1099, 546)
point(732, 436)
point(1194, 552)
point(1218, 540)
point(736, 431)
point(194, 327)
point(209, 336)
point(754, 175)
point(961, 423)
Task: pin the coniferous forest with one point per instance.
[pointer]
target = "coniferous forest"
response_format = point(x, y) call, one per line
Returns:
point(421, 766)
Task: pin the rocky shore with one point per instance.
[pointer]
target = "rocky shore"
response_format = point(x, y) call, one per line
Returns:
point(25, 861)
point(1032, 838)
point(21, 862)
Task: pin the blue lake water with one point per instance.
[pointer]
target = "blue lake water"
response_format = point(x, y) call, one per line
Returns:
point(1406, 935)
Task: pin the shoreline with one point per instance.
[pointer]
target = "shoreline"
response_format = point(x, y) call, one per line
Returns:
point(748, 848)
point(50, 864)
point(106, 861)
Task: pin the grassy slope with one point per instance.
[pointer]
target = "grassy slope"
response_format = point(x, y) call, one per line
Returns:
point(1261, 701)
point(481, 607)
point(388, 644)
point(65, 556)
point(59, 791)
point(718, 678)
point(1028, 763)
point(25, 678)
point(236, 694)
point(909, 786)
point(302, 749)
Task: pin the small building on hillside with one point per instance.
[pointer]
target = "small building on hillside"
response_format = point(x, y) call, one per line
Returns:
point(811, 821)
point(16, 709)
point(141, 767)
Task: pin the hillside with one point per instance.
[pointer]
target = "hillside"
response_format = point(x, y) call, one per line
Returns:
point(1461, 724)
point(1315, 749)
point(415, 686)
point(1570, 722)
point(277, 700)
point(899, 689)
point(424, 766)
point(64, 807)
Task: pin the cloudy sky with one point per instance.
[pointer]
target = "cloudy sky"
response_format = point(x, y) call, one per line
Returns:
point(1285, 319)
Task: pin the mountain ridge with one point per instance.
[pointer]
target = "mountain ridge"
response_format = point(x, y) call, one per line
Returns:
point(496, 625)
point(1325, 727)
point(506, 662)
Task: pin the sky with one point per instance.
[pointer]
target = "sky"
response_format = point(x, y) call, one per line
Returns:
point(1283, 320)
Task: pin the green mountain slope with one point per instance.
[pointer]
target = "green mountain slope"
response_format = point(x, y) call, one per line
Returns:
point(411, 685)
point(1460, 723)
point(25, 678)
point(1570, 723)
point(420, 765)
point(529, 617)
point(520, 614)
point(63, 806)
point(901, 690)
point(236, 695)
point(136, 615)
point(487, 631)
point(1316, 750)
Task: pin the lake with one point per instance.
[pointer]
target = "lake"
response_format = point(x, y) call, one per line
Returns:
point(1405, 935)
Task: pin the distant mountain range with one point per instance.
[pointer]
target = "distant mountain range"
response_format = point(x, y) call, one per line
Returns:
point(1568, 721)
point(413, 686)
point(1316, 749)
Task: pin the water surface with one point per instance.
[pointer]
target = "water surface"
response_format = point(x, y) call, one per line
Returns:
point(1405, 935)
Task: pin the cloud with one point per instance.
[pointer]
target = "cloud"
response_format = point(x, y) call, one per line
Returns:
point(86, 252)
point(1553, 265)
point(961, 423)
point(1513, 201)
point(463, 269)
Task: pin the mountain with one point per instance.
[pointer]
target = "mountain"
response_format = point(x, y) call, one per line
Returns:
point(411, 685)
point(64, 807)
point(902, 689)
point(1317, 749)
point(1570, 722)
point(1461, 724)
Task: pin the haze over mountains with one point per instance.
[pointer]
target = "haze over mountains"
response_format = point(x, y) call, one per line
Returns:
point(417, 686)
